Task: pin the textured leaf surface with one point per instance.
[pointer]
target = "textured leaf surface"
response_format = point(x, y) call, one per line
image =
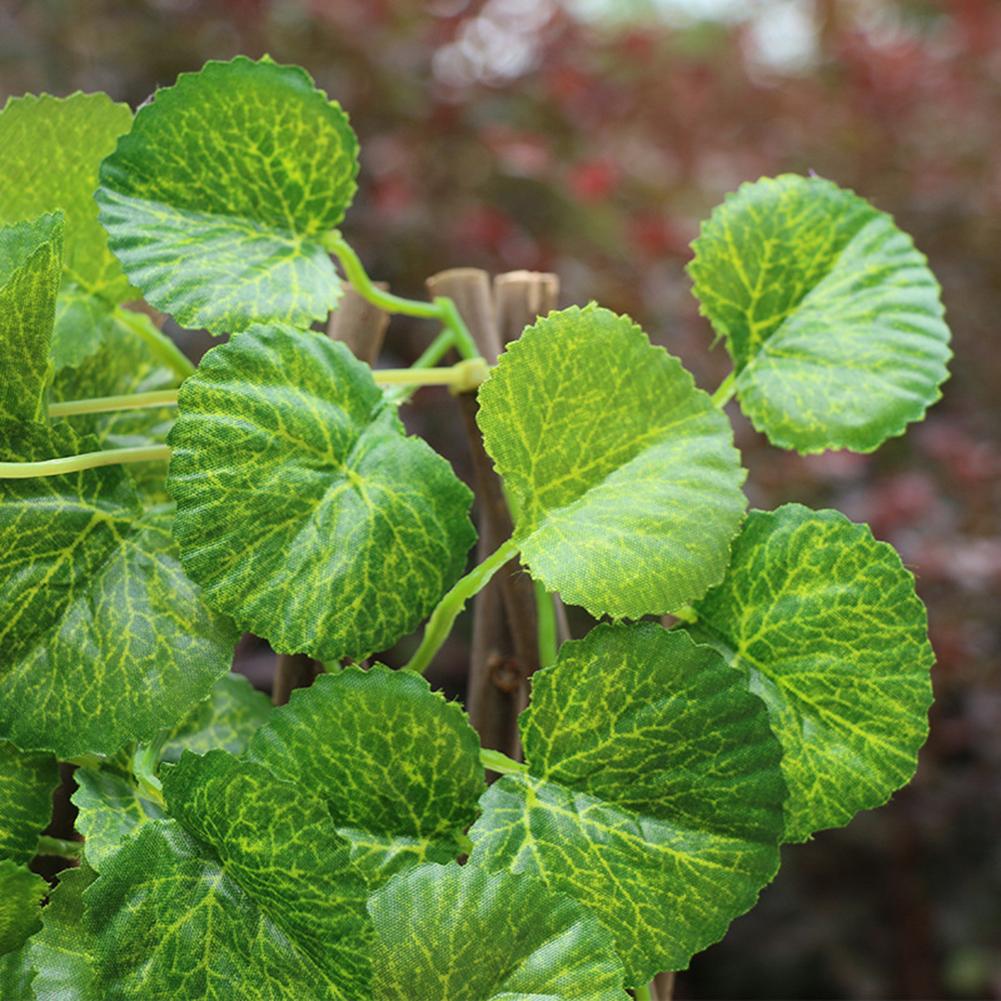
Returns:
point(825, 623)
point(653, 793)
point(226, 720)
point(445, 932)
point(832, 317)
point(109, 808)
point(302, 508)
point(247, 894)
point(52, 148)
point(15, 975)
point(397, 764)
point(21, 896)
point(123, 364)
point(60, 954)
point(105, 639)
point(217, 199)
point(27, 782)
point(30, 255)
point(623, 475)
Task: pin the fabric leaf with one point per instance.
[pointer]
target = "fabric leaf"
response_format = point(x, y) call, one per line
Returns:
point(653, 793)
point(216, 201)
point(27, 782)
point(303, 509)
point(824, 622)
point(623, 475)
point(832, 317)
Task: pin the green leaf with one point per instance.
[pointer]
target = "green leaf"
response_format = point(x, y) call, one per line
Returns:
point(29, 280)
point(123, 364)
point(303, 509)
point(52, 148)
point(653, 793)
point(825, 624)
point(449, 932)
point(247, 894)
point(27, 782)
point(109, 808)
point(623, 475)
point(15, 975)
point(832, 317)
point(21, 896)
point(226, 720)
point(60, 954)
point(217, 200)
point(105, 640)
point(397, 765)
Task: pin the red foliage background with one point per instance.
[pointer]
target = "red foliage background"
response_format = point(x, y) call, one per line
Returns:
point(517, 134)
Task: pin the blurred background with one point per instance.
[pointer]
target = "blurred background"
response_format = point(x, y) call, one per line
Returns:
point(589, 138)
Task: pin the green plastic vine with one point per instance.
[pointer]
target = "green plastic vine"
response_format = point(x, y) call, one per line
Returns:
point(346, 845)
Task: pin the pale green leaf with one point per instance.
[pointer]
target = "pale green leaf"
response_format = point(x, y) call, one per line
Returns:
point(105, 639)
point(29, 280)
point(109, 808)
point(303, 509)
point(227, 720)
point(60, 954)
point(52, 148)
point(248, 893)
point(623, 475)
point(27, 782)
point(445, 933)
point(832, 317)
point(397, 765)
point(824, 622)
point(217, 200)
point(21, 896)
point(653, 793)
point(123, 364)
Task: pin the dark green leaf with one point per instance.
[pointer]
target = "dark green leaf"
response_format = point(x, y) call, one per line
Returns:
point(653, 793)
point(397, 764)
point(105, 640)
point(248, 893)
point(623, 475)
point(27, 782)
point(21, 896)
point(217, 200)
point(303, 509)
point(824, 622)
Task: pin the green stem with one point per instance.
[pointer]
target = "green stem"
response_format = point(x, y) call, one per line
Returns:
point(642, 993)
point(157, 341)
point(686, 614)
point(441, 308)
point(108, 404)
point(546, 615)
point(443, 617)
point(462, 377)
point(725, 391)
point(498, 761)
point(431, 355)
point(58, 847)
point(89, 460)
point(144, 764)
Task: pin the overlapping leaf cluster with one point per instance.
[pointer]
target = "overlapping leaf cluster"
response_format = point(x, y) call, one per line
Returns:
point(346, 845)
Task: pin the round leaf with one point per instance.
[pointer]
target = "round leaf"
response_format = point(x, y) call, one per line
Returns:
point(247, 894)
point(303, 509)
point(105, 640)
point(825, 622)
point(653, 793)
point(397, 765)
point(451, 932)
point(27, 782)
point(216, 201)
point(623, 475)
point(832, 317)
